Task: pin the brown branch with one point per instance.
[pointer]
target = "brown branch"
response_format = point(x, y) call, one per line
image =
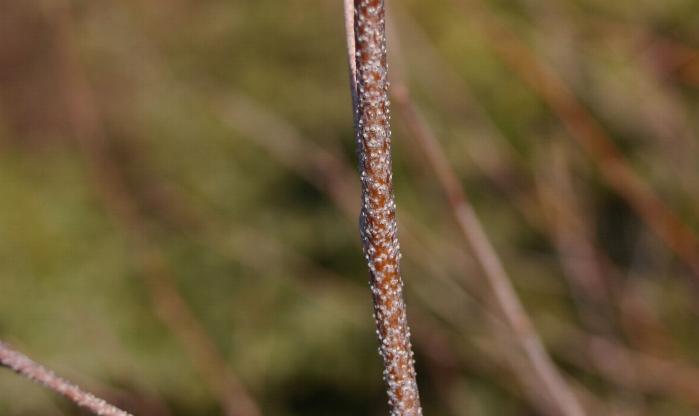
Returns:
point(378, 226)
point(24, 366)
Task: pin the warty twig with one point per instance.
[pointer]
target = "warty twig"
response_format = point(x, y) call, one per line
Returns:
point(378, 226)
point(24, 366)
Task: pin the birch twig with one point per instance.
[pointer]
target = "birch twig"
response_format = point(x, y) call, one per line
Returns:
point(366, 37)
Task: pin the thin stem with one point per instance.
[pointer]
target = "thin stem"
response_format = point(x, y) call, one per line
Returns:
point(488, 260)
point(378, 227)
point(24, 366)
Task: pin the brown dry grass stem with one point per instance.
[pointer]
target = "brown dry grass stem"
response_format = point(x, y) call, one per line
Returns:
point(24, 366)
point(109, 183)
point(484, 253)
point(591, 136)
point(378, 226)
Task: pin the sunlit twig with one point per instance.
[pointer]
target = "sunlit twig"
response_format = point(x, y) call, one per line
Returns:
point(378, 226)
point(24, 366)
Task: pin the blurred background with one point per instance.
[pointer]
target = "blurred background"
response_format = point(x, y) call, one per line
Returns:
point(179, 200)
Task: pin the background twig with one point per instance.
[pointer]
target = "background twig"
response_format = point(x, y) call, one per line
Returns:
point(493, 269)
point(23, 365)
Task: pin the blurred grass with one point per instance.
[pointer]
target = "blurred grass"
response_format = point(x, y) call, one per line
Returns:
point(299, 334)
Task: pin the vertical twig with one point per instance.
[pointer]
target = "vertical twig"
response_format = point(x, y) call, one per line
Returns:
point(378, 227)
point(24, 366)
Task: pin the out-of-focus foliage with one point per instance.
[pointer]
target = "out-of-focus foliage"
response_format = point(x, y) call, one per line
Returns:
point(272, 266)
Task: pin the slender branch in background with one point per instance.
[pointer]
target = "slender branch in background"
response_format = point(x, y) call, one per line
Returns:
point(529, 198)
point(590, 135)
point(488, 260)
point(24, 366)
point(557, 391)
point(378, 226)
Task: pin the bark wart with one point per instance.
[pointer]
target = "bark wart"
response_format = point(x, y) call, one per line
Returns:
point(377, 223)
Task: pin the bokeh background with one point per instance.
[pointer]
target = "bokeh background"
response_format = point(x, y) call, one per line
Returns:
point(178, 204)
